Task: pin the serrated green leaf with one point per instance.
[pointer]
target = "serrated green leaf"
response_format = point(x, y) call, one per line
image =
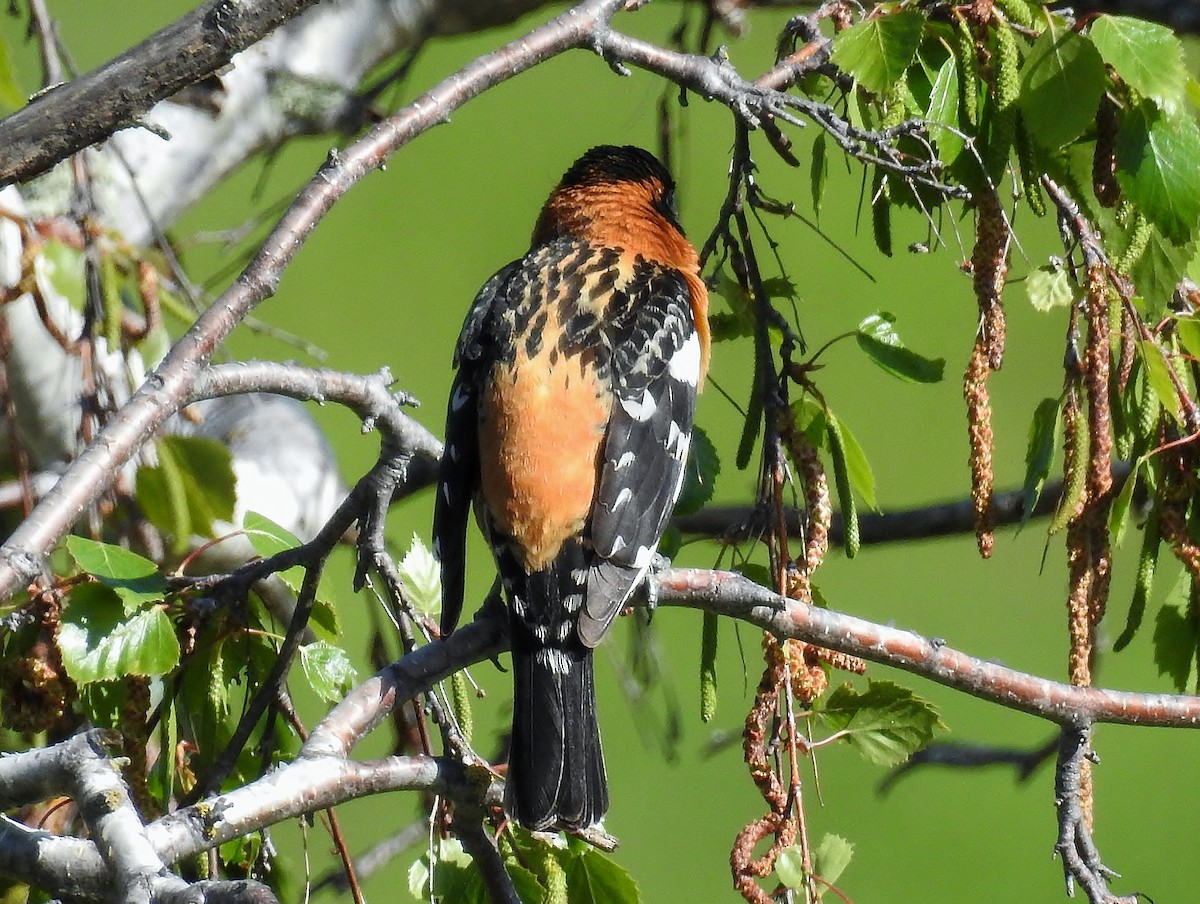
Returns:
point(325, 619)
point(422, 579)
point(886, 724)
point(99, 643)
point(829, 861)
point(877, 51)
point(877, 337)
point(1156, 271)
point(1062, 82)
point(1039, 453)
point(328, 670)
point(1148, 57)
point(136, 580)
point(593, 878)
point(1048, 288)
point(700, 474)
point(1156, 167)
point(943, 108)
point(831, 858)
point(1177, 636)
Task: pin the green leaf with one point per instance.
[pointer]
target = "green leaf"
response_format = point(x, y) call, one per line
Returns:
point(1156, 272)
point(1039, 454)
point(812, 419)
point(943, 109)
point(11, 96)
point(204, 695)
point(1118, 517)
point(136, 580)
point(1147, 57)
point(831, 858)
point(328, 670)
point(325, 619)
point(422, 577)
point(1158, 372)
point(98, 643)
point(700, 474)
point(877, 51)
point(1156, 166)
point(818, 172)
point(1048, 288)
point(270, 539)
point(592, 878)
point(886, 724)
point(789, 867)
point(267, 537)
point(1188, 331)
point(192, 487)
point(862, 478)
point(877, 337)
point(456, 878)
point(1062, 82)
point(1177, 636)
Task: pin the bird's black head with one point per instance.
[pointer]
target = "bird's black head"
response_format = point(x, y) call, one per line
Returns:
point(608, 163)
point(583, 196)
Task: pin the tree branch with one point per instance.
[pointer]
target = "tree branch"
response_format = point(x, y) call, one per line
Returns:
point(78, 114)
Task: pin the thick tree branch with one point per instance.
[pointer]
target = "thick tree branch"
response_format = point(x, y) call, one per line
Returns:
point(73, 116)
point(733, 595)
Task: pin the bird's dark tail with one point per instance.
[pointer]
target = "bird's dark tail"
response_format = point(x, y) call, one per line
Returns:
point(556, 777)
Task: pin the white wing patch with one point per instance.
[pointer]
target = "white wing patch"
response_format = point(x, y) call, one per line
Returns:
point(645, 555)
point(684, 365)
point(624, 461)
point(641, 410)
point(622, 497)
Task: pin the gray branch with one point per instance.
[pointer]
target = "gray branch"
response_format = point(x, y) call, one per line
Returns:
point(80, 113)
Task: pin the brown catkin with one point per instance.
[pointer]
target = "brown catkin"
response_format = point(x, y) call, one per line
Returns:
point(989, 269)
point(979, 434)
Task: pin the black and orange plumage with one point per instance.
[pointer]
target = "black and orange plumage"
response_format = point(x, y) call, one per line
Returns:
point(568, 428)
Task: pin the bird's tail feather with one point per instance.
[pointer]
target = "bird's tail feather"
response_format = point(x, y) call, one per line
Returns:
point(556, 777)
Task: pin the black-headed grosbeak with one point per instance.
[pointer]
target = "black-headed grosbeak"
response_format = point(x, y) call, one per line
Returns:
point(568, 426)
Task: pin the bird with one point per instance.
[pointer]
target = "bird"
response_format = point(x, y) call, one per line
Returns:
point(567, 430)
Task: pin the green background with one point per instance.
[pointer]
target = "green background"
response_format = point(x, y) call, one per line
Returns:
point(386, 279)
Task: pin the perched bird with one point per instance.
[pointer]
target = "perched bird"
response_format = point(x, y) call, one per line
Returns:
point(568, 427)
